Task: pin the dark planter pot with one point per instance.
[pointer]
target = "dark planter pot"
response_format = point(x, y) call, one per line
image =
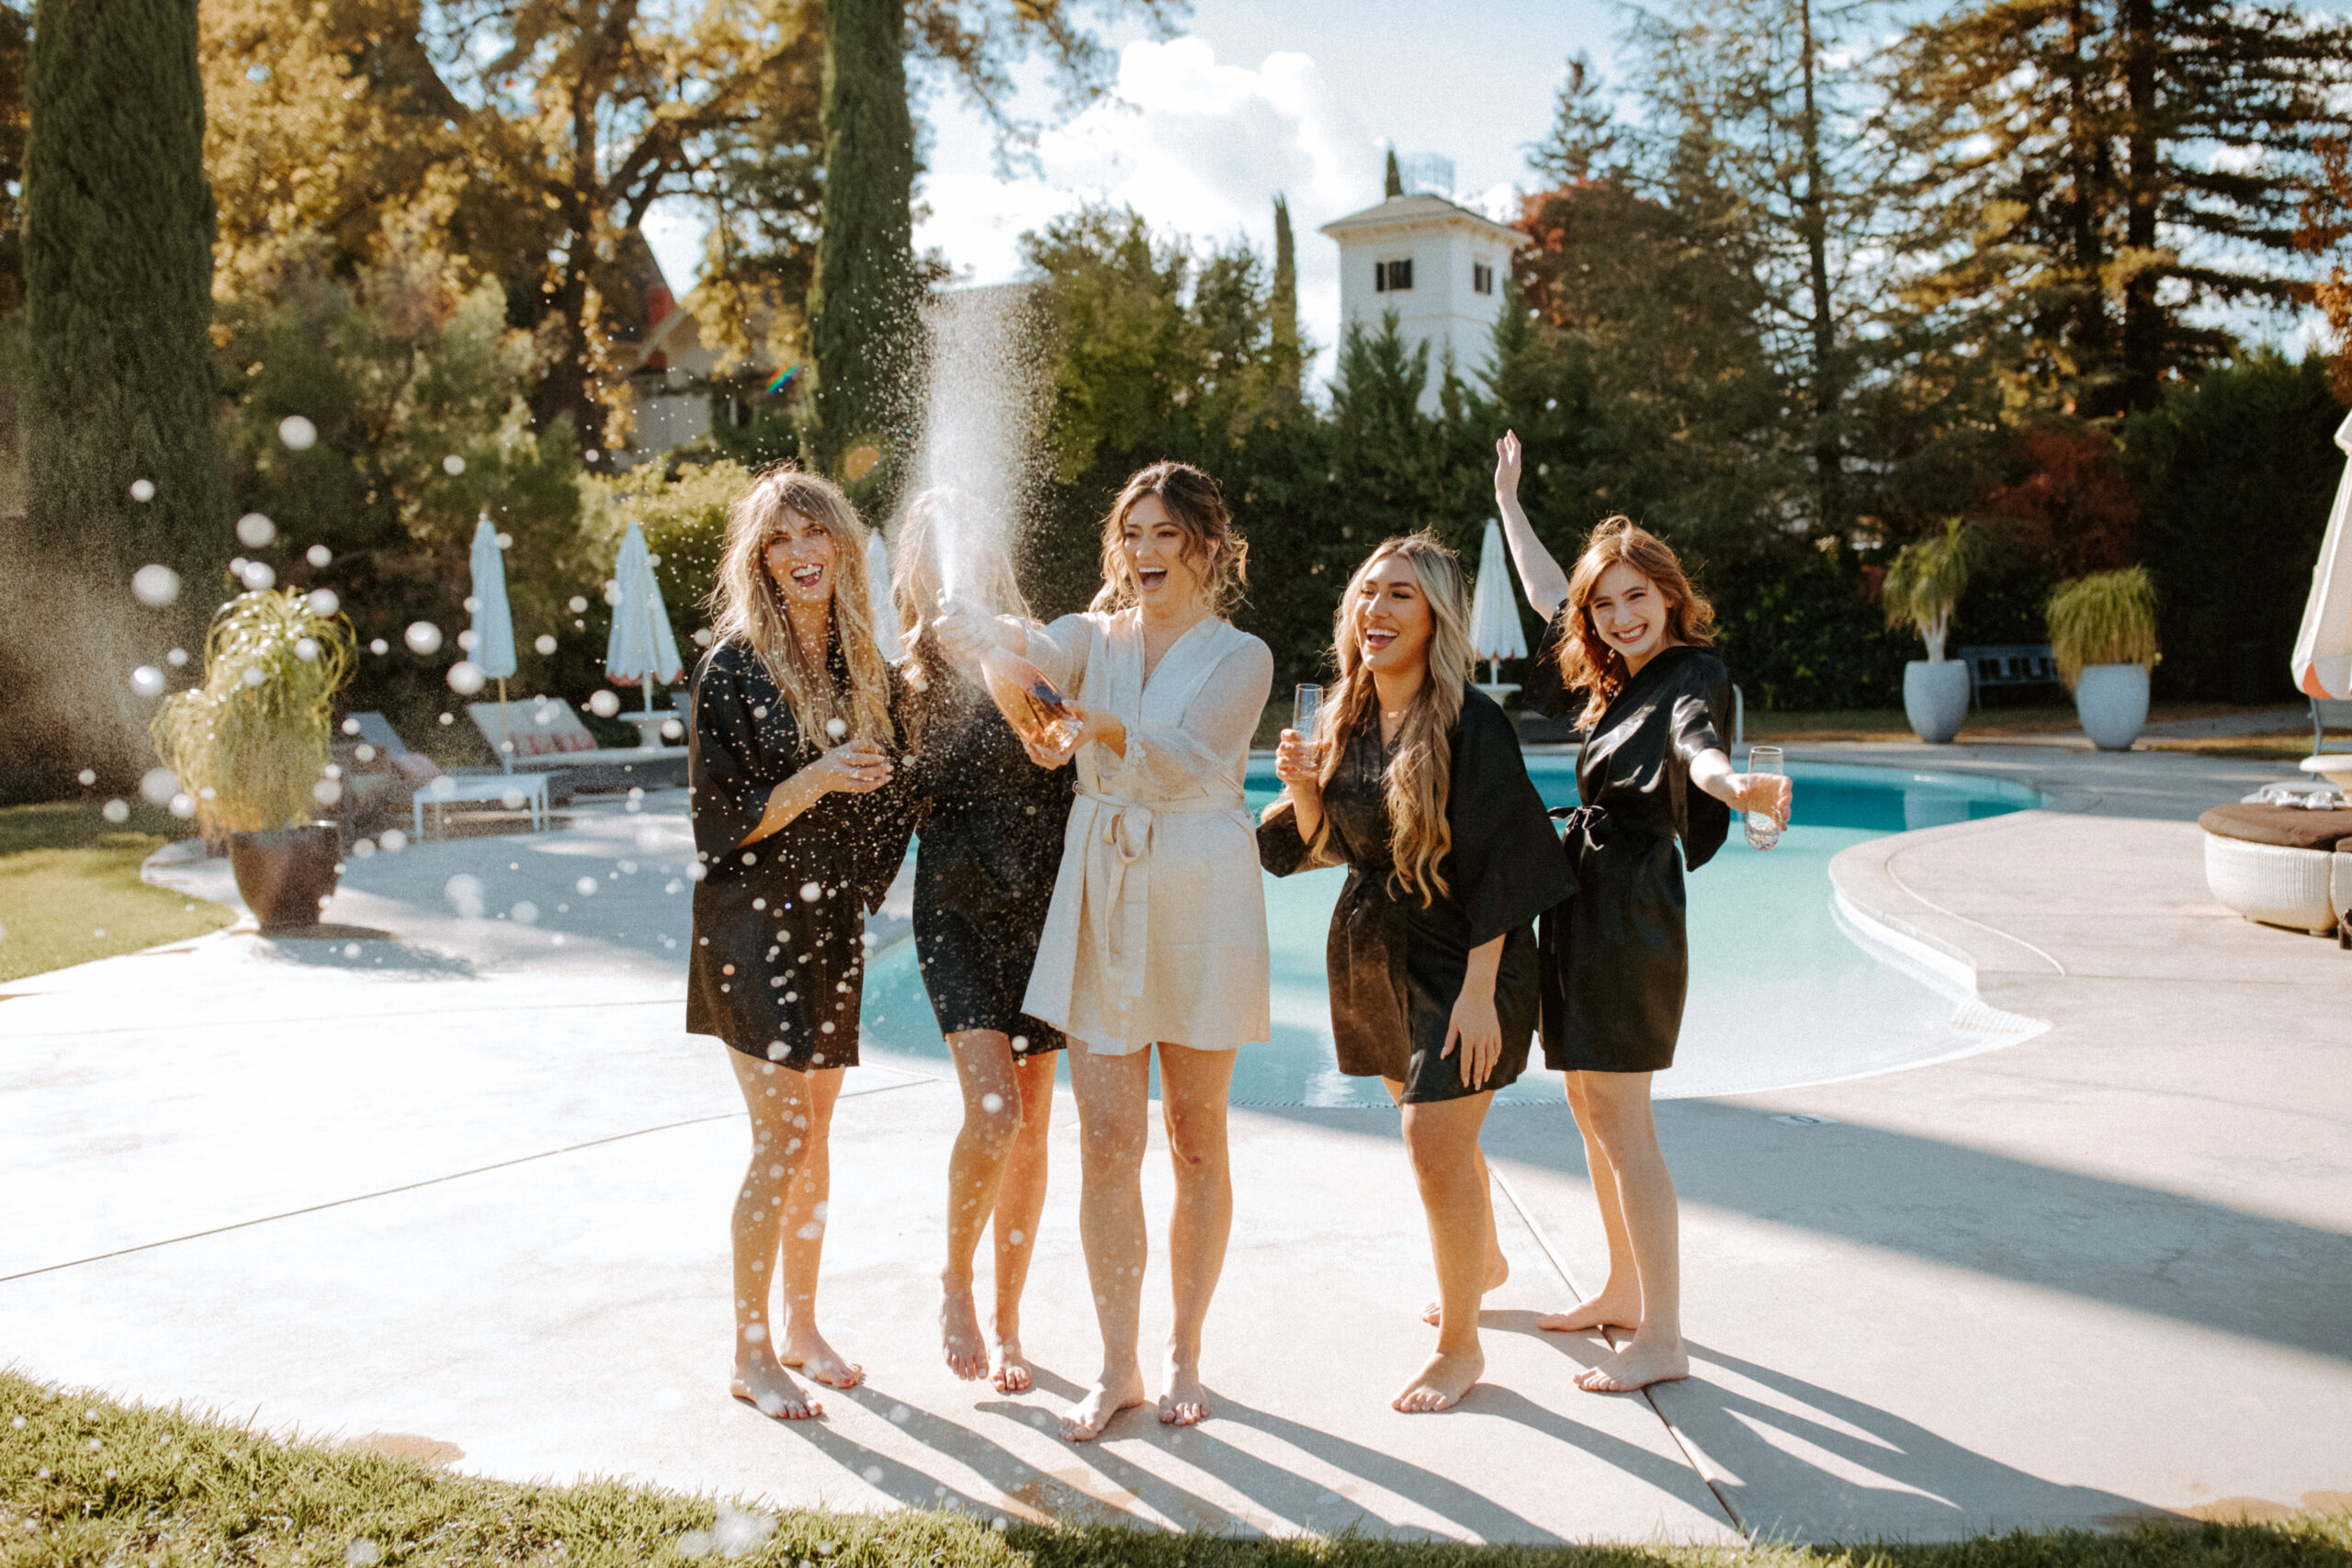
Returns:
point(286, 876)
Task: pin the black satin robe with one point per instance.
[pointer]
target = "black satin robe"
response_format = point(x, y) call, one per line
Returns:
point(778, 962)
point(1396, 967)
point(986, 857)
point(1616, 961)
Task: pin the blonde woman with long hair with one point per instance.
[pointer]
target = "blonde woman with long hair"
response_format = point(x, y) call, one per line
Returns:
point(1415, 783)
point(985, 866)
point(1631, 635)
point(799, 830)
point(1156, 940)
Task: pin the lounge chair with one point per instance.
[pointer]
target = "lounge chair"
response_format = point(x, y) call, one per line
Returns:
point(547, 734)
point(381, 775)
point(2282, 865)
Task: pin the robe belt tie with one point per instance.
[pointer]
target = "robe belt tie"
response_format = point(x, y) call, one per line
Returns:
point(1588, 822)
point(1126, 827)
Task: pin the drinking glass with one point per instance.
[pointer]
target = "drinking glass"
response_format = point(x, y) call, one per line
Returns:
point(1762, 827)
point(1306, 711)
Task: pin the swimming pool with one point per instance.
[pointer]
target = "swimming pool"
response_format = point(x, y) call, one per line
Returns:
point(1784, 989)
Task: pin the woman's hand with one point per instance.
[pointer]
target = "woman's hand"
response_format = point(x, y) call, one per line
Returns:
point(854, 767)
point(1475, 1029)
point(1507, 459)
point(1298, 764)
point(1099, 727)
point(1769, 792)
point(964, 633)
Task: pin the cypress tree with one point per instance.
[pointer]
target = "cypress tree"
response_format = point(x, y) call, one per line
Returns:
point(861, 307)
point(1392, 184)
point(1283, 353)
point(117, 268)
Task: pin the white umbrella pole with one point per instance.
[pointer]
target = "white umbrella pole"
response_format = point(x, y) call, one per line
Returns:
point(1493, 679)
point(506, 742)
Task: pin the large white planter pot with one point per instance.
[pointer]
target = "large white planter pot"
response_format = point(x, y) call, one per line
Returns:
point(1935, 698)
point(2114, 702)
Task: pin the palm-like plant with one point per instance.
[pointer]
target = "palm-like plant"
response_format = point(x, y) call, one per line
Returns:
point(1926, 581)
point(251, 743)
point(2108, 618)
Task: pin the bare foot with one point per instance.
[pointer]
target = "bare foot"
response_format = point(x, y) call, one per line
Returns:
point(1611, 1308)
point(806, 1349)
point(1087, 1420)
point(1009, 1369)
point(959, 1333)
point(1186, 1401)
point(1497, 1270)
point(1441, 1383)
point(769, 1388)
point(1638, 1365)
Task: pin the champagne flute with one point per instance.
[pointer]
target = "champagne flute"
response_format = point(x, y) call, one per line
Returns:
point(1305, 712)
point(1763, 827)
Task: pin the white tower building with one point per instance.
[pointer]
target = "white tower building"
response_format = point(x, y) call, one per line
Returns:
point(1438, 267)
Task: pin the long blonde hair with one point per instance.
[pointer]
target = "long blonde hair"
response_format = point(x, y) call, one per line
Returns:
point(1586, 662)
point(747, 607)
point(1195, 504)
point(917, 574)
point(1418, 779)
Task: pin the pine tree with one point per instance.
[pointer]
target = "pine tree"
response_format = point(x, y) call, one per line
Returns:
point(1285, 357)
point(1392, 183)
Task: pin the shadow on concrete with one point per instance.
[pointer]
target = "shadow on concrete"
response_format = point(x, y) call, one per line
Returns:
point(360, 948)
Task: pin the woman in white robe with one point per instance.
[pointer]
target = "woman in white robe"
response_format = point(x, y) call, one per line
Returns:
point(1157, 935)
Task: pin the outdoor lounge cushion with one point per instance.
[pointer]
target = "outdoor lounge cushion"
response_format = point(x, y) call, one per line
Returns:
point(539, 726)
point(2282, 827)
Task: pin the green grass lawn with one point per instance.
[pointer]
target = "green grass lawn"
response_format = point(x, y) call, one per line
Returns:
point(84, 1480)
point(70, 889)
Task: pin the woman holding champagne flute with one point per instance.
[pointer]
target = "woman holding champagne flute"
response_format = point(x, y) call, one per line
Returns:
point(1628, 631)
point(1156, 938)
point(1414, 781)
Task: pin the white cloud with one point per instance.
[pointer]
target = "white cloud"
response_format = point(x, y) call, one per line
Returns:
point(1196, 146)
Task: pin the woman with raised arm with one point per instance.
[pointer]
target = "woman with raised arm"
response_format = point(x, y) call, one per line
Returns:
point(991, 840)
point(799, 830)
point(1156, 937)
point(1416, 784)
point(1629, 632)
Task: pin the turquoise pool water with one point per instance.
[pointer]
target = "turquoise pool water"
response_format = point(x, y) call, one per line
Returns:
point(1785, 990)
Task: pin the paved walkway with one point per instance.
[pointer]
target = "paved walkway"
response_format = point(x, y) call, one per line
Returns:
point(454, 1183)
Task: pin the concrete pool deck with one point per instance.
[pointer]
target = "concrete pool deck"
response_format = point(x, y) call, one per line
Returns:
point(452, 1187)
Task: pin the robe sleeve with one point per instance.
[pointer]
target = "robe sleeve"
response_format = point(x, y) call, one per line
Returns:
point(1542, 690)
point(1280, 848)
point(1169, 761)
point(723, 748)
point(1506, 865)
point(1701, 698)
point(897, 808)
point(1061, 650)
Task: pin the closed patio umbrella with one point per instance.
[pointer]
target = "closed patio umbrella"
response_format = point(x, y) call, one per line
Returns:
point(2322, 662)
point(641, 648)
point(1495, 633)
point(494, 647)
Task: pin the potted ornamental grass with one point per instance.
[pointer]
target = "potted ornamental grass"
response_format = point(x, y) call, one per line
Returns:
point(250, 747)
point(2103, 633)
point(1923, 587)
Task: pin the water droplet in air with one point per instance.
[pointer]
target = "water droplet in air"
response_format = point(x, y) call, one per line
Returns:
point(466, 678)
point(250, 676)
point(836, 727)
point(306, 648)
point(298, 433)
point(363, 1553)
point(324, 602)
point(424, 638)
point(991, 1103)
point(176, 658)
point(578, 604)
point(327, 791)
point(874, 1474)
point(142, 489)
point(158, 785)
point(544, 643)
point(116, 811)
point(258, 575)
point(585, 886)
point(464, 893)
point(183, 808)
point(603, 705)
point(812, 1232)
point(379, 647)
point(453, 464)
point(810, 892)
point(351, 950)
point(87, 777)
point(319, 555)
point(254, 530)
point(155, 585)
point(900, 1414)
point(1017, 1238)
point(393, 841)
point(147, 681)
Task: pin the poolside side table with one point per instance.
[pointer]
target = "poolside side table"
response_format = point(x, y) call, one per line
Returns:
point(450, 787)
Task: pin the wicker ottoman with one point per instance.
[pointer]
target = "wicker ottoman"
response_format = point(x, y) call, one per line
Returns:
point(2282, 865)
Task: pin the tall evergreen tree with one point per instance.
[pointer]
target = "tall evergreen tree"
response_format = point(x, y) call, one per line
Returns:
point(861, 303)
point(1392, 179)
point(2099, 172)
point(1285, 356)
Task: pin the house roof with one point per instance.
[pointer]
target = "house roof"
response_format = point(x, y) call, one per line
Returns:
point(1406, 214)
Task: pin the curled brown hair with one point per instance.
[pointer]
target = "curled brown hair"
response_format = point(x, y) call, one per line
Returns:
point(1195, 504)
point(1586, 662)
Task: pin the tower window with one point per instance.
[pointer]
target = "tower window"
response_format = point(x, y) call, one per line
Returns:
point(1482, 279)
point(1392, 276)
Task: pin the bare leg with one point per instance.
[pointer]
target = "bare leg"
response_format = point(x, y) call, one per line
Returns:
point(1618, 1303)
point(1193, 1089)
point(992, 1115)
point(1498, 1266)
point(1020, 1198)
point(1622, 1122)
point(1112, 1093)
point(806, 1203)
point(1442, 1138)
point(782, 1103)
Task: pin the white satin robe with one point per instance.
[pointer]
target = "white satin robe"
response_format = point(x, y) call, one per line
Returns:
point(1158, 928)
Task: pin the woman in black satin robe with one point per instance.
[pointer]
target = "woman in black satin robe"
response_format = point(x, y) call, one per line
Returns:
point(800, 827)
point(992, 825)
point(1630, 633)
point(1431, 953)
